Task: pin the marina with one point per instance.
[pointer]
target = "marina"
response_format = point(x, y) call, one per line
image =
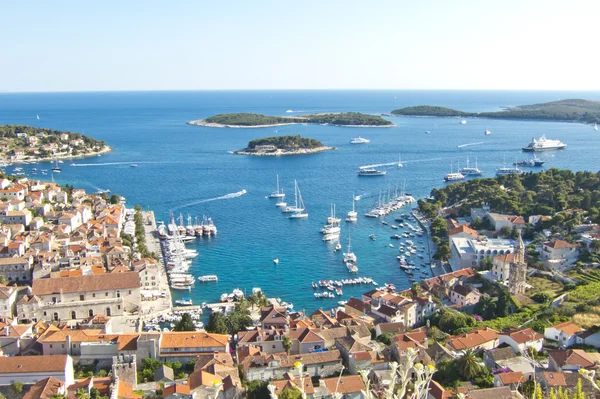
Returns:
point(193, 175)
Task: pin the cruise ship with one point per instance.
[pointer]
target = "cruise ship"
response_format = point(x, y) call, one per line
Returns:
point(544, 144)
point(359, 140)
point(371, 172)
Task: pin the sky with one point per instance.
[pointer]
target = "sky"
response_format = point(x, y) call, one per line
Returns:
point(78, 45)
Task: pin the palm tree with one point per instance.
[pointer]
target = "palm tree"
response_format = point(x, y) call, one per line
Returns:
point(468, 366)
point(253, 301)
point(262, 299)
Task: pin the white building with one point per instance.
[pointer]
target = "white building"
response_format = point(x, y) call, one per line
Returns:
point(31, 369)
point(16, 269)
point(77, 298)
point(467, 252)
point(564, 333)
point(559, 253)
point(520, 340)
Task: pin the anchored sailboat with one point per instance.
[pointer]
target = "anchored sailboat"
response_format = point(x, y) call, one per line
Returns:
point(278, 193)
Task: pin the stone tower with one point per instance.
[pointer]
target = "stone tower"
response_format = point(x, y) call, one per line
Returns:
point(518, 269)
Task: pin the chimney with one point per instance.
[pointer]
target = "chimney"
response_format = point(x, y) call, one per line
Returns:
point(6, 330)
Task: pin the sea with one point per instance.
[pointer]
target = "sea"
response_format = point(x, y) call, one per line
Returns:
point(188, 170)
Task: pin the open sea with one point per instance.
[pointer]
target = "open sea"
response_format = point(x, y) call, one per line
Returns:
point(188, 170)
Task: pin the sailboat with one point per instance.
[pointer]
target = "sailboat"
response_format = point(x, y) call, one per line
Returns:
point(595, 126)
point(400, 164)
point(294, 208)
point(332, 229)
point(352, 215)
point(300, 207)
point(37, 116)
point(56, 168)
point(349, 256)
point(278, 193)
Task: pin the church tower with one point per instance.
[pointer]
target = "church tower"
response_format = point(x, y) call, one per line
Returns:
point(518, 269)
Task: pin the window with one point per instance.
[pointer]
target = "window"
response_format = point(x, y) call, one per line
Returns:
point(50, 346)
point(108, 311)
point(119, 307)
point(73, 315)
point(94, 295)
point(82, 297)
point(106, 294)
point(55, 316)
point(62, 345)
point(91, 312)
point(273, 346)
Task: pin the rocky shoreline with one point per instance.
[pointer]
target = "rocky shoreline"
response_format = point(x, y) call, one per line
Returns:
point(281, 152)
point(203, 123)
point(104, 150)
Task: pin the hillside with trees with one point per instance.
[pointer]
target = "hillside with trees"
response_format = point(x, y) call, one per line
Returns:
point(286, 142)
point(257, 120)
point(572, 110)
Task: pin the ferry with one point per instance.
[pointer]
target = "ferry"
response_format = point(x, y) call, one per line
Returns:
point(208, 278)
point(371, 172)
point(359, 140)
point(454, 177)
point(544, 144)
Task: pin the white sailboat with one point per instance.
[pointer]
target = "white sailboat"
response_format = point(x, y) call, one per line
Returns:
point(333, 226)
point(349, 256)
point(300, 206)
point(294, 208)
point(278, 193)
point(595, 126)
point(37, 116)
point(400, 164)
point(56, 168)
point(352, 216)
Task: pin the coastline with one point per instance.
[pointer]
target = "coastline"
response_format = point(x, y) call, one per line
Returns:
point(203, 123)
point(104, 150)
point(280, 152)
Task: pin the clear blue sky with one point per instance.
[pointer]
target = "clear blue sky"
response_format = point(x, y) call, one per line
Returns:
point(326, 44)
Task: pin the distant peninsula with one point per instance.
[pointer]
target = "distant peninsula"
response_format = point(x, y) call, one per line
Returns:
point(573, 110)
point(250, 120)
point(20, 143)
point(283, 145)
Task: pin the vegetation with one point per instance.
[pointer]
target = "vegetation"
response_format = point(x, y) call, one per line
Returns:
point(185, 324)
point(140, 235)
point(256, 389)
point(543, 193)
point(450, 321)
point(149, 365)
point(238, 320)
point(574, 110)
point(286, 142)
point(466, 367)
point(18, 138)
point(344, 119)
point(427, 110)
point(17, 387)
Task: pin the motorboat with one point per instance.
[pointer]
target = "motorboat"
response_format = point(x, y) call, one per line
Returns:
point(359, 140)
point(463, 121)
point(544, 144)
point(508, 171)
point(488, 132)
point(276, 261)
point(184, 302)
point(208, 278)
point(371, 172)
point(534, 162)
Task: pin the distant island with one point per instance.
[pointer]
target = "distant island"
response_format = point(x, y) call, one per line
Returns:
point(573, 110)
point(283, 145)
point(250, 120)
point(20, 143)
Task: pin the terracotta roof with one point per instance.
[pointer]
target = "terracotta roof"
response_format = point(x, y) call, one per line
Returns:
point(522, 336)
point(357, 304)
point(489, 393)
point(571, 357)
point(201, 378)
point(462, 289)
point(176, 388)
point(126, 391)
point(567, 327)
point(506, 258)
point(90, 283)
point(185, 339)
point(126, 342)
point(554, 378)
point(472, 339)
point(512, 377)
point(44, 389)
point(33, 364)
point(559, 244)
point(292, 382)
point(344, 385)
point(463, 229)
point(391, 327)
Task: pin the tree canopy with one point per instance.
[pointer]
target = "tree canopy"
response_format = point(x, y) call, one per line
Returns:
point(342, 118)
point(286, 142)
point(185, 324)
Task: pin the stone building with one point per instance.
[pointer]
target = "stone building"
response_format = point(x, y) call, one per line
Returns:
point(518, 270)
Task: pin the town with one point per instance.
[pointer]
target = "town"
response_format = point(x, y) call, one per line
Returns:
point(81, 275)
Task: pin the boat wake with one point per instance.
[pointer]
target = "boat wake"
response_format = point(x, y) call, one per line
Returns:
point(470, 144)
point(222, 197)
point(110, 163)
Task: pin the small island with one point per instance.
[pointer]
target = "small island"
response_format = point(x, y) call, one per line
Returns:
point(283, 145)
point(250, 120)
point(572, 110)
point(20, 143)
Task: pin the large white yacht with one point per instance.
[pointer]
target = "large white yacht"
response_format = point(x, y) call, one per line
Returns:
point(359, 140)
point(544, 144)
point(371, 172)
point(454, 176)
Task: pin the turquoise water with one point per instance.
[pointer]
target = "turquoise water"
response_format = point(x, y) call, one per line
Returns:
point(181, 165)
